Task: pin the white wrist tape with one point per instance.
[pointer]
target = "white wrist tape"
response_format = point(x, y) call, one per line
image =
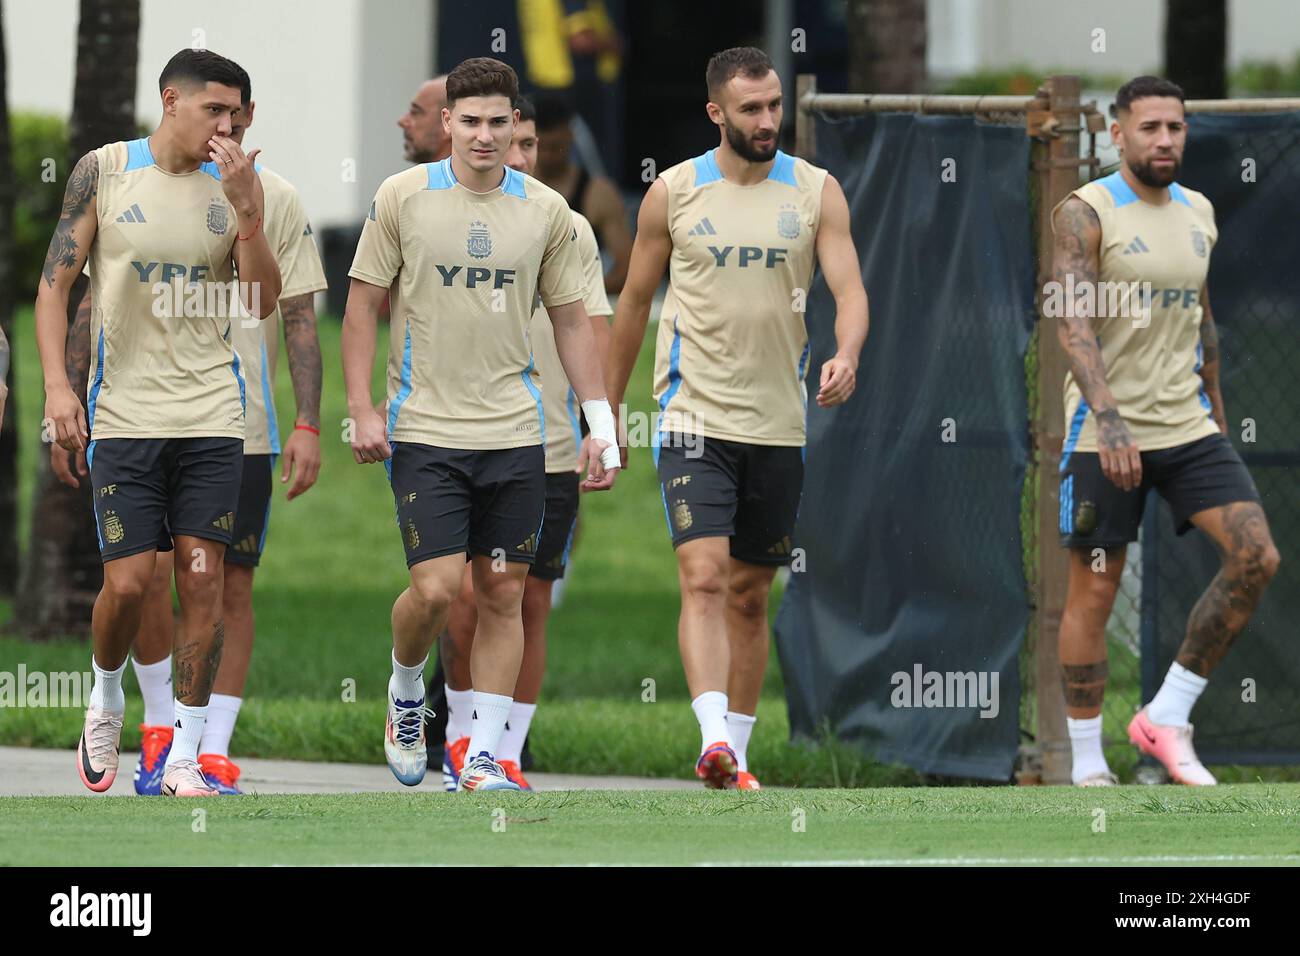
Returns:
point(600, 419)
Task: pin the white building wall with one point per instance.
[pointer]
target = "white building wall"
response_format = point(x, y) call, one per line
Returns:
point(967, 35)
point(330, 78)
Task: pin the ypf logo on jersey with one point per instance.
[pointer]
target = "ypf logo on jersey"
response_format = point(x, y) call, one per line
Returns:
point(217, 219)
point(479, 244)
point(1199, 245)
point(787, 222)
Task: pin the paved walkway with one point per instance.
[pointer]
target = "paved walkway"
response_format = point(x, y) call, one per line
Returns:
point(25, 772)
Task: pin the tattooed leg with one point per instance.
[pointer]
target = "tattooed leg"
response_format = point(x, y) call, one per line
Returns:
point(1088, 604)
point(201, 635)
point(1085, 686)
point(1250, 560)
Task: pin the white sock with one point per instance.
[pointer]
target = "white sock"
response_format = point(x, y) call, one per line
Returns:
point(460, 710)
point(107, 694)
point(512, 738)
point(711, 711)
point(188, 731)
point(740, 726)
point(155, 682)
point(1085, 745)
point(223, 711)
point(489, 721)
point(407, 683)
point(1173, 703)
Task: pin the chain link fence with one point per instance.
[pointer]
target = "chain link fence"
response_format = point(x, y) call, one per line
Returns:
point(1245, 156)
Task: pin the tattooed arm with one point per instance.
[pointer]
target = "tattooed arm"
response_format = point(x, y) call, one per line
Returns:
point(1077, 253)
point(302, 448)
point(63, 263)
point(1210, 361)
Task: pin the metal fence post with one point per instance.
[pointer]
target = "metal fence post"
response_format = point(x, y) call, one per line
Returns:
point(805, 132)
point(1055, 160)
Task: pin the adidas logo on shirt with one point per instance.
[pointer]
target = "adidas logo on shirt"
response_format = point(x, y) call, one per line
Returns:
point(1136, 246)
point(703, 228)
point(132, 215)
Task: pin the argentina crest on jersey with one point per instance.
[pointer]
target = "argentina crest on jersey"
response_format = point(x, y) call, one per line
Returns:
point(217, 221)
point(1198, 242)
point(480, 240)
point(787, 222)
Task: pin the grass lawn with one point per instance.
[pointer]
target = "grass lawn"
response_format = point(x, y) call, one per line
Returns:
point(333, 564)
point(1251, 824)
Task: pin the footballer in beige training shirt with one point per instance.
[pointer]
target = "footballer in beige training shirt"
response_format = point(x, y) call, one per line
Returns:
point(164, 232)
point(466, 244)
point(256, 343)
point(738, 229)
point(1143, 410)
point(564, 441)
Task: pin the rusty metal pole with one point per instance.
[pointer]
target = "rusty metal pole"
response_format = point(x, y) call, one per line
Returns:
point(805, 133)
point(1056, 164)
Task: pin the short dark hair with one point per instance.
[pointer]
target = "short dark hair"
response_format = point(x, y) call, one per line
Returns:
point(204, 66)
point(527, 112)
point(739, 60)
point(482, 76)
point(553, 112)
point(1142, 86)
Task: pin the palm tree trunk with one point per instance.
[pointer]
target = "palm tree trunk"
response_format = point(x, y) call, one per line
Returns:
point(1196, 47)
point(886, 46)
point(62, 573)
point(8, 428)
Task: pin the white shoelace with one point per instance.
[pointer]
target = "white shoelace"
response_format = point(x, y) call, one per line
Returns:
point(408, 722)
point(102, 742)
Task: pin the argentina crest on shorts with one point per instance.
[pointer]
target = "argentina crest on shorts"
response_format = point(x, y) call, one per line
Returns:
point(787, 222)
point(114, 532)
point(217, 221)
point(479, 244)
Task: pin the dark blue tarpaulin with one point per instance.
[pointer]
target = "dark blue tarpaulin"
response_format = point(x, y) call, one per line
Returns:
point(909, 522)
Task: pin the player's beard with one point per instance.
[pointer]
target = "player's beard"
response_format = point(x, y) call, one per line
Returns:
point(1148, 175)
point(746, 148)
point(414, 154)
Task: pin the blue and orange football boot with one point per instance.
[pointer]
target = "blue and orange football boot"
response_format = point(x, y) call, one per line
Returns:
point(453, 759)
point(221, 772)
point(514, 773)
point(155, 745)
point(717, 766)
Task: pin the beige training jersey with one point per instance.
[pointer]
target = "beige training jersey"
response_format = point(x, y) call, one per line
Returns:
point(732, 347)
point(559, 403)
point(162, 365)
point(289, 233)
point(1152, 361)
point(467, 266)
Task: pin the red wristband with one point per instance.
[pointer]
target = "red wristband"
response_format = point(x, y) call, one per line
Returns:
point(256, 226)
point(307, 428)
